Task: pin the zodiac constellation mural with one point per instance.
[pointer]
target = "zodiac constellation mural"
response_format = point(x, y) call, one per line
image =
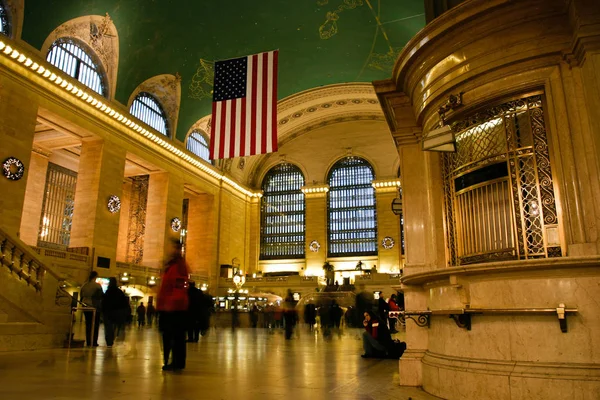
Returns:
point(379, 61)
point(202, 81)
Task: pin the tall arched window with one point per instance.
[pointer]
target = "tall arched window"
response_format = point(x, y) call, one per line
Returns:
point(351, 217)
point(75, 59)
point(198, 145)
point(4, 21)
point(147, 109)
point(282, 215)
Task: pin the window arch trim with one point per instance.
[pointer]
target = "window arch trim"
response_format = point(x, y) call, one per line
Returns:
point(153, 114)
point(92, 63)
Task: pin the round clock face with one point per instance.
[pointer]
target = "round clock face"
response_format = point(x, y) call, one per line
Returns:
point(314, 246)
point(13, 168)
point(387, 242)
point(176, 224)
point(114, 204)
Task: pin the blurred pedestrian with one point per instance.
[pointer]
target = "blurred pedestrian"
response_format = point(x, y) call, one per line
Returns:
point(172, 306)
point(91, 296)
point(141, 315)
point(393, 307)
point(195, 304)
point(150, 311)
point(289, 314)
point(113, 303)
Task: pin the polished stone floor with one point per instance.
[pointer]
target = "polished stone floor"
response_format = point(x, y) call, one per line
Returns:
point(241, 364)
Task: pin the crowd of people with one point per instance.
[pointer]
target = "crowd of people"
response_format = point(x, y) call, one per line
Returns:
point(184, 313)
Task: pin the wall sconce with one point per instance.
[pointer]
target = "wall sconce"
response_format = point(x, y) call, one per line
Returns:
point(152, 281)
point(124, 277)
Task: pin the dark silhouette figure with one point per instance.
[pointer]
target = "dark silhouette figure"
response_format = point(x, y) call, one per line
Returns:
point(336, 314)
point(114, 308)
point(310, 315)
point(150, 311)
point(91, 296)
point(382, 309)
point(195, 301)
point(289, 314)
point(206, 309)
point(141, 315)
point(172, 306)
point(254, 316)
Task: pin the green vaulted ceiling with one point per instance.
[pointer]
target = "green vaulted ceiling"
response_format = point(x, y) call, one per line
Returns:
point(320, 41)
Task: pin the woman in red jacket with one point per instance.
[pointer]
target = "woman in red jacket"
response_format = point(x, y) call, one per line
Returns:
point(172, 305)
point(376, 338)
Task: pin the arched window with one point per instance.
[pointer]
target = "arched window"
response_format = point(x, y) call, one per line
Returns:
point(4, 22)
point(147, 109)
point(282, 215)
point(198, 145)
point(75, 59)
point(351, 217)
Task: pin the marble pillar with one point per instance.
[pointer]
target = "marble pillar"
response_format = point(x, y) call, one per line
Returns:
point(17, 126)
point(34, 198)
point(388, 225)
point(316, 229)
point(201, 243)
point(101, 168)
point(165, 202)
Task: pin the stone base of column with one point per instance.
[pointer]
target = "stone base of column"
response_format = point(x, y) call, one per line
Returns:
point(411, 368)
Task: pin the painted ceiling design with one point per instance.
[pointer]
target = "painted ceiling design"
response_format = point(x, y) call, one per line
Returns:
point(321, 42)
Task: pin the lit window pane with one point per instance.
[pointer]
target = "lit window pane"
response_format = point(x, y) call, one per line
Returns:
point(282, 214)
point(3, 20)
point(352, 220)
point(198, 145)
point(147, 109)
point(71, 58)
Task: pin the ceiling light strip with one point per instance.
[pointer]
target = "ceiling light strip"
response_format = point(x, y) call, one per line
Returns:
point(91, 100)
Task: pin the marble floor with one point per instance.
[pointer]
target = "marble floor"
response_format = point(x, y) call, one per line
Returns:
point(241, 364)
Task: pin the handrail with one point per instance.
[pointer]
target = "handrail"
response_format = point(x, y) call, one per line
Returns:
point(462, 316)
point(22, 260)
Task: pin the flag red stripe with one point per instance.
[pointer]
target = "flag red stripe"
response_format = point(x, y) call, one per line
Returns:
point(243, 132)
point(212, 131)
point(254, 99)
point(223, 129)
point(265, 84)
point(233, 118)
point(274, 103)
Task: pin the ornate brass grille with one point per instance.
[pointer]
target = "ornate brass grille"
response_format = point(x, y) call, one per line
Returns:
point(57, 207)
point(499, 195)
point(137, 219)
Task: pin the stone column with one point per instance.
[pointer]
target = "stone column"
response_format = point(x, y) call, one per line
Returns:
point(388, 225)
point(17, 126)
point(34, 197)
point(316, 227)
point(254, 233)
point(165, 202)
point(201, 244)
point(101, 169)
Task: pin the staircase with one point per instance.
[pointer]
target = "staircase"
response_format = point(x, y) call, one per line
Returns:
point(33, 314)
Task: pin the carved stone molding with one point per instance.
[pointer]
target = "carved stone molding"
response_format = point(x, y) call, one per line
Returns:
point(167, 90)
point(100, 34)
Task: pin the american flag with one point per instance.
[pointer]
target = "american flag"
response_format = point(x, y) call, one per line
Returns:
point(244, 111)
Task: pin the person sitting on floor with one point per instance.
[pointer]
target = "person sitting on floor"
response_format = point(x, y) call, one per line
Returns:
point(376, 337)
